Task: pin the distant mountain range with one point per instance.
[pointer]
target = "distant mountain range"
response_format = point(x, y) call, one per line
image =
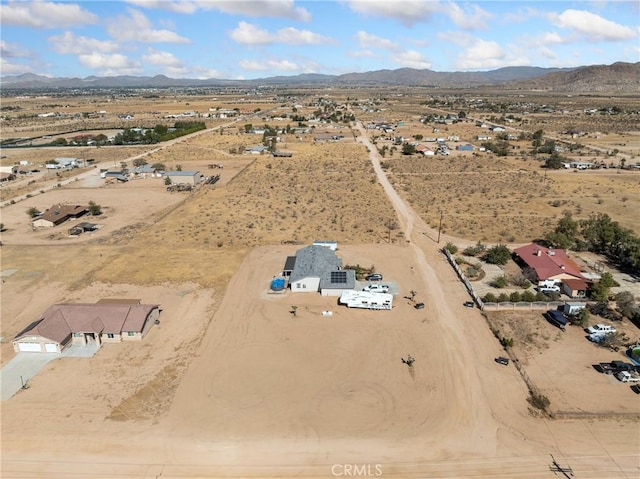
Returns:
point(621, 77)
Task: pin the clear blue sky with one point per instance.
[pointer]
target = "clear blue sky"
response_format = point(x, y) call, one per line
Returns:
point(236, 39)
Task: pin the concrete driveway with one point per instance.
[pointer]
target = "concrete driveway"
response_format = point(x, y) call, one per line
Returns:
point(25, 365)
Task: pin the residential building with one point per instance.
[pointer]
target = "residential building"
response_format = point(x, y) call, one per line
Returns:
point(58, 214)
point(548, 263)
point(105, 321)
point(318, 269)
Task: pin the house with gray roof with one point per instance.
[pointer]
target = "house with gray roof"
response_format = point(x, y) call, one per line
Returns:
point(318, 269)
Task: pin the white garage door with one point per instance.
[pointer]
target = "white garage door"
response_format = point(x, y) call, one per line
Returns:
point(30, 347)
point(51, 347)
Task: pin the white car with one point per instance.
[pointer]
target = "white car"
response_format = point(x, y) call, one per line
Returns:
point(376, 288)
point(601, 329)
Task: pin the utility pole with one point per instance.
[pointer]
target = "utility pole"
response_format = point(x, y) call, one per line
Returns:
point(440, 225)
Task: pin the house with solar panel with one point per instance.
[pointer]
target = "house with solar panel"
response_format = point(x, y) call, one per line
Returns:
point(317, 268)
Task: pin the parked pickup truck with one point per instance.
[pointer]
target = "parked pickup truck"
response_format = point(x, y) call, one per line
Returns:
point(601, 329)
point(615, 367)
point(627, 377)
point(376, 288)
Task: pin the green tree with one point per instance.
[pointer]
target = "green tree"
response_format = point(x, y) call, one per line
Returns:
point(537, 139)
point(160, 129)
point(498, 254)
point(248, 127)
point(33, 212)
point(94, 209)
point(554, 161)
point(178, 167)
point(489, 298)
point(515, 297)
point(599, 293)
point(167, 180)
point(408, 149)
point(159, 167)
point(528, 296)
point(606, 279)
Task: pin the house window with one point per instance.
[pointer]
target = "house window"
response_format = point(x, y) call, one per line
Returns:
point(77, 335)
point(111, 335)
point(131, 333)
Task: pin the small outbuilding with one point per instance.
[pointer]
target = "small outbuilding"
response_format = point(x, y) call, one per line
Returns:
point(184, 177)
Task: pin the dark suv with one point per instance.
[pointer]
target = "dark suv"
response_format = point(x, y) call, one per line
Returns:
point(374, 277)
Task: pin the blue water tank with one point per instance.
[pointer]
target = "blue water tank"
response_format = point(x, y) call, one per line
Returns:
point(277, 284)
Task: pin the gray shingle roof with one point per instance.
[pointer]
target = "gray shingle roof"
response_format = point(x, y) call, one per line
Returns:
point(319, 261)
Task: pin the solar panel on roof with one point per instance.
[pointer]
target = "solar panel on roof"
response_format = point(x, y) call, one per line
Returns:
point(339, 277)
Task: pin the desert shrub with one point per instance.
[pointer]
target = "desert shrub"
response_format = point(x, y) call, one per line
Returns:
point(476, 250)
point(528, 297)
point(541, 296)
point(503, 298)
point(489, 298)
point(498, 254)
point(499, 282)
point(451, 248)
point(582, 318)
point(520, 280)
point(33, 212)
point(515, 297)
point(539, 401)
point(506, 342)
point(626, 305)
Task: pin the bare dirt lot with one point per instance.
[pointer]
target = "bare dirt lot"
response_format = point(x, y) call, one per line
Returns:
point(231, 384)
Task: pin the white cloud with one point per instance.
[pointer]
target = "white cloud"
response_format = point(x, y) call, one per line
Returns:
point(137, 27)
point(591, 26)
point(110, 64)
point(482, 55)
point(10, 68)
point(412, 59)
point(473, 18)
point(553, 38)
point(39, 14)
point(249, 8)
point(367, 40)
point(281, 65)
point(68, 42)
point(167, 59)
point(9, 50)
point(361, 54)
point(249, 34)
point(408, 12)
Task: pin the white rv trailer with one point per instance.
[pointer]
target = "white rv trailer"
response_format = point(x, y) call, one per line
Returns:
point(366, 300)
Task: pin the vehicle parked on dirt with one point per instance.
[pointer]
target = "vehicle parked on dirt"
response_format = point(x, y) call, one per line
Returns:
point(419, 306)
point(601, 329)
point(627, 377)
point(598, 337)
point(615, 367)
point(502, 360)
point(376, 288)
point(373, 277)
point(469, 304)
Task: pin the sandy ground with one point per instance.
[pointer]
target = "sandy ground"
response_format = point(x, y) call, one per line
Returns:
point(245, 389)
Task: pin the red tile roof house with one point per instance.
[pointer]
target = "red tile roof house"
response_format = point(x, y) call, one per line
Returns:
point(548, 263)
point(64, 324)
point(59, 214)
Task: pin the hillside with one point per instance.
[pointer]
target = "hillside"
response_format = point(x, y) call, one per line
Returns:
point(620, 77)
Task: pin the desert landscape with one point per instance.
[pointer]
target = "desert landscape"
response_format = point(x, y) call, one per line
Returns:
point(237, 380)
